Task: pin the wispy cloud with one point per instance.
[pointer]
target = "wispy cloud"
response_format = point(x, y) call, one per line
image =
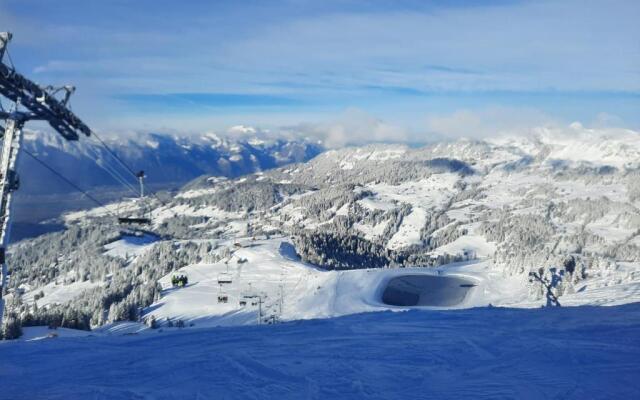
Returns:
point(397, 60)
point(354, 126)
point(194, 102)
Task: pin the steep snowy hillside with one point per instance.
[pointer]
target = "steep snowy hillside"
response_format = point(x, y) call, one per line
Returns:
point(451, 225)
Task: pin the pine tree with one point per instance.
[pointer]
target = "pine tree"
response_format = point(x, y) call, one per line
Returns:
point(11, 327)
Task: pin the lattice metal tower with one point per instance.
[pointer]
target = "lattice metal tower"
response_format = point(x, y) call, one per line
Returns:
point(29, 101)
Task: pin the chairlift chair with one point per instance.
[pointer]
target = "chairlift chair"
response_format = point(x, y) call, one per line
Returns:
point(251, 298)
point(144, 217)
point(224, 278)
point(223, 298)
point(134, 220)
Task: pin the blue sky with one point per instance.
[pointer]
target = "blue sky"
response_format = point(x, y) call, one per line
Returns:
point(207, 65)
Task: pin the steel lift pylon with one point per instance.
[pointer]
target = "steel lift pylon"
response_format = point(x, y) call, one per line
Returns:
point(29, 101)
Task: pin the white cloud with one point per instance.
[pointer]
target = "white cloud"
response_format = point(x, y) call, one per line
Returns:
point(354, 126)
point(488, 122)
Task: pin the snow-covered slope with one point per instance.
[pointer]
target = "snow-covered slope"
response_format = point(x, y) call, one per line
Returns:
point(288, 288)
point(326, 237)
point(490, 353)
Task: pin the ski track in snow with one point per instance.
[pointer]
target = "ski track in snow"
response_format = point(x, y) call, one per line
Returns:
point(483, 353)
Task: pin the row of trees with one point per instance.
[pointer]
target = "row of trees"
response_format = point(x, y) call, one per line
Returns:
point(334, 251)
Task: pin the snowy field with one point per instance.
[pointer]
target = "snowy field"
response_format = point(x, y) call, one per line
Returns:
point(130, 246)
point(482, 353)
point(291, 289)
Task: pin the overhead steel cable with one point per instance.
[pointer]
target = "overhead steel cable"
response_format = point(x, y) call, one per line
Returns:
point(67, 181)
point(113, 153)
point(114, 173)
point(124, 164)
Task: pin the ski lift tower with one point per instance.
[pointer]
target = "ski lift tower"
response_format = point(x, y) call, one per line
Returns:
point(29, 102)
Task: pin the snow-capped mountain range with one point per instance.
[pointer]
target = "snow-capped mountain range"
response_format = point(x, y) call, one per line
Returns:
point(517, 221)
point(168, 160)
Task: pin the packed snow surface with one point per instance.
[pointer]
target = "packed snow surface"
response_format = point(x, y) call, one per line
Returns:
point(58, 292)
point(130, 245)
point(482, 353)
point(226, 293)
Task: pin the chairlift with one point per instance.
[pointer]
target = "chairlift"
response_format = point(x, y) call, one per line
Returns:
point(145, 216)
point(134, 220)
point(251, 298)
point(223, 298)
point(224, 278)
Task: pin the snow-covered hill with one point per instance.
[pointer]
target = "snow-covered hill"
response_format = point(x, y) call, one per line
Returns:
point(521, 222)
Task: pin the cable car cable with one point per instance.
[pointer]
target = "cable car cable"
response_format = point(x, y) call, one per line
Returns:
point(131, 171)
point(63, 178)
point(115, 155)
point(114, 173)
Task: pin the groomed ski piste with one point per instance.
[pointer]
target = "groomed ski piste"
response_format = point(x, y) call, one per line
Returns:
point(480, 353)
